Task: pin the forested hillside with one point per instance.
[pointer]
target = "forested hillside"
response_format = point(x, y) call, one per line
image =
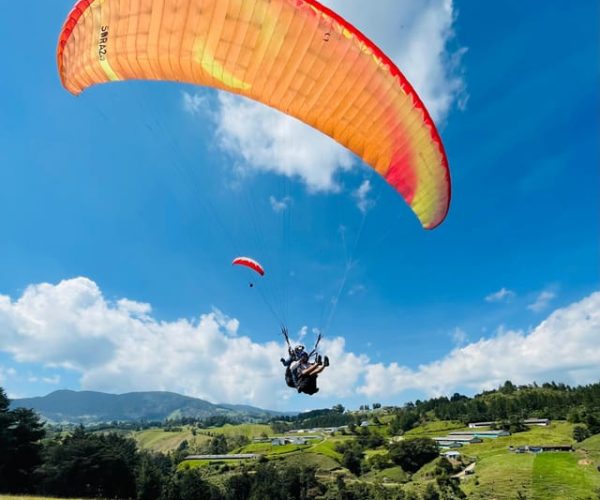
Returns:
point(375, 452)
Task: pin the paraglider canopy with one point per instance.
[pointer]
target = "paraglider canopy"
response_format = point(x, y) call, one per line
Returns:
point(296, 56)
point(250, 263)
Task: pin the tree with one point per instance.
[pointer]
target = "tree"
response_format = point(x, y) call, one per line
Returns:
point(152, 475)
point(412, 454)
point(592, 420)
point(90, 465)
point(352, 458)
point(580, 432)
point(218, 445)
point(238, 486)
point(5, 436)
point(20, 449)
point(508, 387)
point(189, 485)
point(404, 421)
point(267, 483)
point(380, 462)
point(431, 493)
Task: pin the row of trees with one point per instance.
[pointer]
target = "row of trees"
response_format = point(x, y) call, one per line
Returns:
point(509, 404)
point(410, 454)
point(334, 417)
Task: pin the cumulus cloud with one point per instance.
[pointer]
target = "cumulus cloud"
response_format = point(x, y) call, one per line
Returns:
point(542, 301)
point(502, 295)
point(118, 346)
point(361, 195)
point(516, 355)
point(418, 35)
point(265, 140)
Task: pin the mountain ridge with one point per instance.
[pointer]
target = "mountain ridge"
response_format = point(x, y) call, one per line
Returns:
point(87, 407)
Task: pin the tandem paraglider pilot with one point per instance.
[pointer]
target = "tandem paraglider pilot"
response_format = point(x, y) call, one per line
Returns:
point(301, 373)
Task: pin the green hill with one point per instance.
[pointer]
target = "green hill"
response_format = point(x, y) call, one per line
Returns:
point(89, 407)
point(499, 472)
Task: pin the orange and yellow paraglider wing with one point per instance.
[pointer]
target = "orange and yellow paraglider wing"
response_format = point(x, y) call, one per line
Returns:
point(294, 55)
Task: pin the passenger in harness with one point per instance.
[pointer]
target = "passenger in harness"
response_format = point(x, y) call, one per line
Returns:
point(300, 373)
point(305, 373)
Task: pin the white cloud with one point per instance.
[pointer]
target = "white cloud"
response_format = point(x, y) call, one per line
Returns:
point(566, 346)
point(502, 295)
point(542, 301)
point(281, 205)
point(346, 370)
point(138, 309)
point(119, 347)
point(265, 140)
point(416, 34)
point(116, 349)
point(361, 195)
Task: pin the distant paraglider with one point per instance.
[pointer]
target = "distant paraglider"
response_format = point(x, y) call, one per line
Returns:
point(249, 263)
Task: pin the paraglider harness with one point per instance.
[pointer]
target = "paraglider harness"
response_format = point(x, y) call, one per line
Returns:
point(307, 384)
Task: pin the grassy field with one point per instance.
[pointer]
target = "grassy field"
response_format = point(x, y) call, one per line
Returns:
point(563, 476)
point(500, 473)
point(501, 476)
point(160, 440)
point(323, 463)
point(591, 448)
point(433, 429)
point(389, 475)
point(267, 449)
point(327, 448)
point(248, 430)
point(194, 464)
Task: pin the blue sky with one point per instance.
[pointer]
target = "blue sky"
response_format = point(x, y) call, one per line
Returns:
point(142, 192)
